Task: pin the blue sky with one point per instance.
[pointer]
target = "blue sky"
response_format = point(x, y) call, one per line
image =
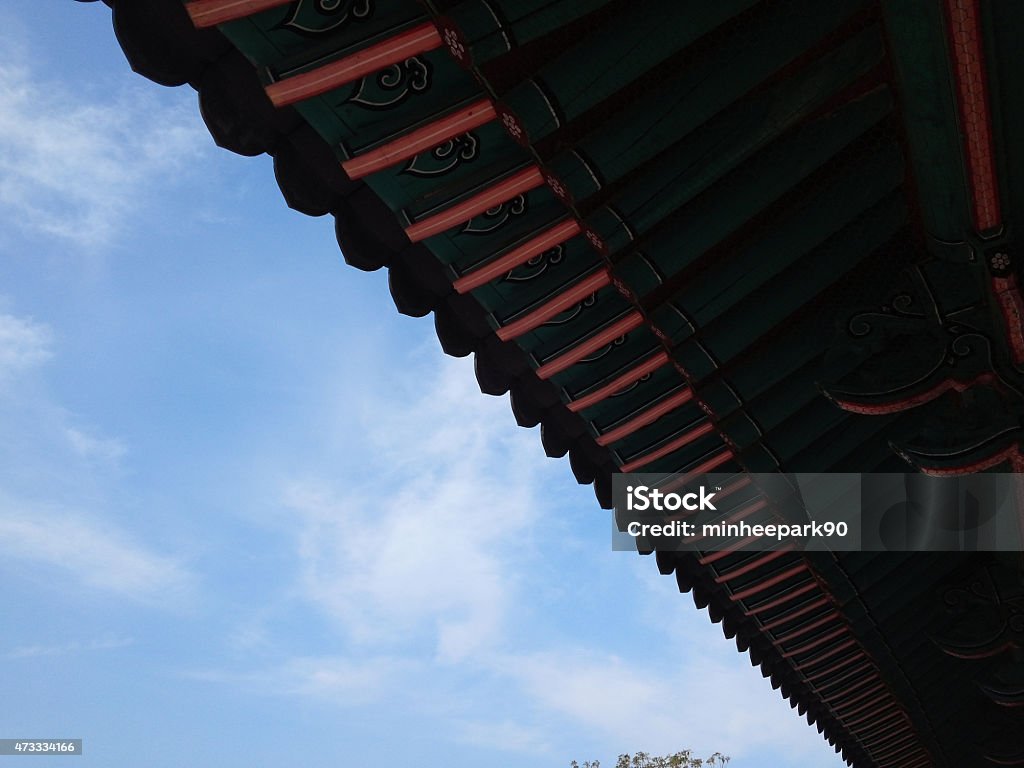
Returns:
point(252, 516)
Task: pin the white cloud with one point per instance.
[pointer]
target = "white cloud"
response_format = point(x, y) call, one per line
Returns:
point(75, 167)
point(506, 735)
point(86, 446)
point(55, 490)
point(353, 680)
point(663, 702)
point(88, 552)
point(341, 680)
point(424, 554)
point(437, 566)
point(24, 343)
point(75, 646)
point(431, 558)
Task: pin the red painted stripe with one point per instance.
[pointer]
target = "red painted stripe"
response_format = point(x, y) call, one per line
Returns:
point(905, 403)
point(835, 667)
point(556, 306)
point(210, 13)
point(820, 657)
point(892, 741)
point(371, 59)
point(619, 383)
point(753, 565)
point(1011, 304)
point(972, 94)
point(769, 583)
point(741, 513)
point(684, 439)
point(895, 752)
point(694, 472)
point(843, 692)
point(869, 697)
point(873, 736)
point(816, 642)
point(794, 614)
point(713, 463)
point(896, 718)
point(881, 716)
point(420, 140)
point(714, 557)
point(1007, 454)
point(557, 235)
point(630, 322)
point(502, 192)
point(884, 746)
point(923, 761)
point(792, 635)
point(897, 746)
point(649, 416)
point(786, 598)
point(860, 671)
point(734, 486)
point(880, 738)
point(907, 752)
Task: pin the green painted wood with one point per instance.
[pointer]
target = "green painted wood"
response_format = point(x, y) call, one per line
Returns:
point(687, 173)
point(436, 178)
point(837, 435)
point(295, 38)
point(538, 279)
point(688, 99)
point(1004, 20)
point(771, 369)
point(683, 237)
point(690, 455)
point(734, 279)
point(382, 106)
point(494, 231)
point(526, 301)
point(621, 407)
point(783, 295)
point(919, 54)
point(776, 404)
point(549, 341)
point(616, 358)
point(669, 427)
point(635, 399)
point(303, 32)
point(622, 50)
point(493, 28)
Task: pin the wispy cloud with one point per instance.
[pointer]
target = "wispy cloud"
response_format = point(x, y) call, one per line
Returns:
point(74, 646)
point(92, 448)
point(24, 343)
point(339, 679)
point(54, 489)
point(342, 677)
point(506, 735)
point(76, 167)
point(662, 701)
point(422, 556)
point(436, 564)
point(88, 552)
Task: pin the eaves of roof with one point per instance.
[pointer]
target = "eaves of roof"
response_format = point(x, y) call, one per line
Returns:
point(706, 307)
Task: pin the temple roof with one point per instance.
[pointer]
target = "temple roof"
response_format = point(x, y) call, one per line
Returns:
point(741, 236)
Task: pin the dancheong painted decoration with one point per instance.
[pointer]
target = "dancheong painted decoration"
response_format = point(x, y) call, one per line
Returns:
point(741, 236)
